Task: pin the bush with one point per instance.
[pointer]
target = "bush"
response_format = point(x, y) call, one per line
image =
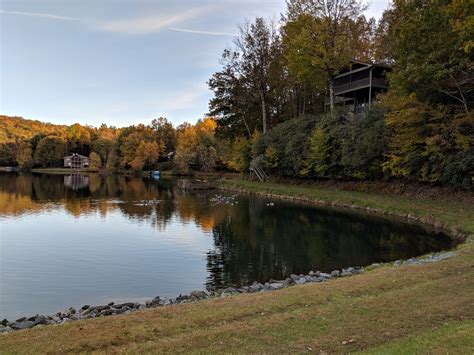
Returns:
point(289, 142)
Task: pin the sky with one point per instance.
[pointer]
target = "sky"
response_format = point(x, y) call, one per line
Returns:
point(119, 62)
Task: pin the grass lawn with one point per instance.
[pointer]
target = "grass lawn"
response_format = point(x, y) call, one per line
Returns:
point(60, 171)
point(408, 309)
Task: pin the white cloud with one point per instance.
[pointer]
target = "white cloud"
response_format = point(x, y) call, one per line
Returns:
point(150, 24)
point(138, 25)
point(210, 33)
point(41, 15)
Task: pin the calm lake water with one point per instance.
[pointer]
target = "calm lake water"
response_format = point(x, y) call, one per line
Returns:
point(73, 240)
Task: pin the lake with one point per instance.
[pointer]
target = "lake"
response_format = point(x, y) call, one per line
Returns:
point(88, 239)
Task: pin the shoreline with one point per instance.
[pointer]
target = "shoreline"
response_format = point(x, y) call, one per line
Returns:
point(458, 235)
point(390, 304)
point(112, 309)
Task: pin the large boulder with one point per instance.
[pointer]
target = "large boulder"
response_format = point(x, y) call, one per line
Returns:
point(23, 325)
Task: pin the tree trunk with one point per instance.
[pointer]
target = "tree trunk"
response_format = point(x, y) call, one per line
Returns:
point(331, 91)
point(264, 113)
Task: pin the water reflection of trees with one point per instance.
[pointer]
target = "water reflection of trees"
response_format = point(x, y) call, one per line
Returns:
point(134, 197)
point(258, 242)
point(252, 241)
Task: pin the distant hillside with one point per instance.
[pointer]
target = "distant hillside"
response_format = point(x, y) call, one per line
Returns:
point(13, 129)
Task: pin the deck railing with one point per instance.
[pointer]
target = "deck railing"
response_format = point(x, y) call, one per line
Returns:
point(354, 85)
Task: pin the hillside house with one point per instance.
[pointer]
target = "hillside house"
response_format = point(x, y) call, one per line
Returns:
point(357, 86)
point(76, 161)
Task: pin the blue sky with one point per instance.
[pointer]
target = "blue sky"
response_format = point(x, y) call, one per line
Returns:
point(118, 62)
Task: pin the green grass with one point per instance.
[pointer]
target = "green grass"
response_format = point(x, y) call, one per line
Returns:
point(59, 170)
point(407, 309)
point(455, 337)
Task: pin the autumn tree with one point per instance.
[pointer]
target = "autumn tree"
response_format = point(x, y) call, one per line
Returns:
point(165, 133)
point(241, 155)
point(186, 146)
point(245, 81)
point(326, 35)
point(95, 162)
point(50, 151)
point(438, 68)
point(196, 146)
point(103, 147)
point(25, 156)
point(429, 119)
point(78, 139)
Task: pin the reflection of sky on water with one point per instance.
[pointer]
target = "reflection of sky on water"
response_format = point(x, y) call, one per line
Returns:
point(74, 261)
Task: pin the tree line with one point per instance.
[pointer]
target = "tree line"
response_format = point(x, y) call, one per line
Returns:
point(29, 144)
point(274, 104)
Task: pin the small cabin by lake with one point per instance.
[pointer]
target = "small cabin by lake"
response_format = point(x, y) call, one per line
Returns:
point(76, 161)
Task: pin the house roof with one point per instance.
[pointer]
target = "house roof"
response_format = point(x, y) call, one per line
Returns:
point(76, 155)
point(361, 67)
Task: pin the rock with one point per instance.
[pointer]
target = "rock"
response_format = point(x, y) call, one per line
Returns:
point(168, 301)
point(276, 285)
point(99, 308)
point(294, 277)
point(289, 281)
point(7, 329)
point(243, 290)
point(41, 320)
point(301, 281)
point(256, 286)
point(110, 304)
point(92, 314)
point(181, 298)
point(200, 295)
point(229, 291)
point(397, 263)
point(155, 302)
point(19, 320)
point(33, 318)
point(86, 306)
point(23, 325)
point(346, 273)
point(126, 304)
point(106, 312)
point(141, 307)
point(335, 273)
point(325, 276)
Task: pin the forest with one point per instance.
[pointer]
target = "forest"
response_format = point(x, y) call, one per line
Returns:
point(273, 103)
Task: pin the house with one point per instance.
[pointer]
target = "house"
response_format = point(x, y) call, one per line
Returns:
point(357, 86)
point(76, 161)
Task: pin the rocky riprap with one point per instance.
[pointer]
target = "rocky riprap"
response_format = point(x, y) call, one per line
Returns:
point(87, 311)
